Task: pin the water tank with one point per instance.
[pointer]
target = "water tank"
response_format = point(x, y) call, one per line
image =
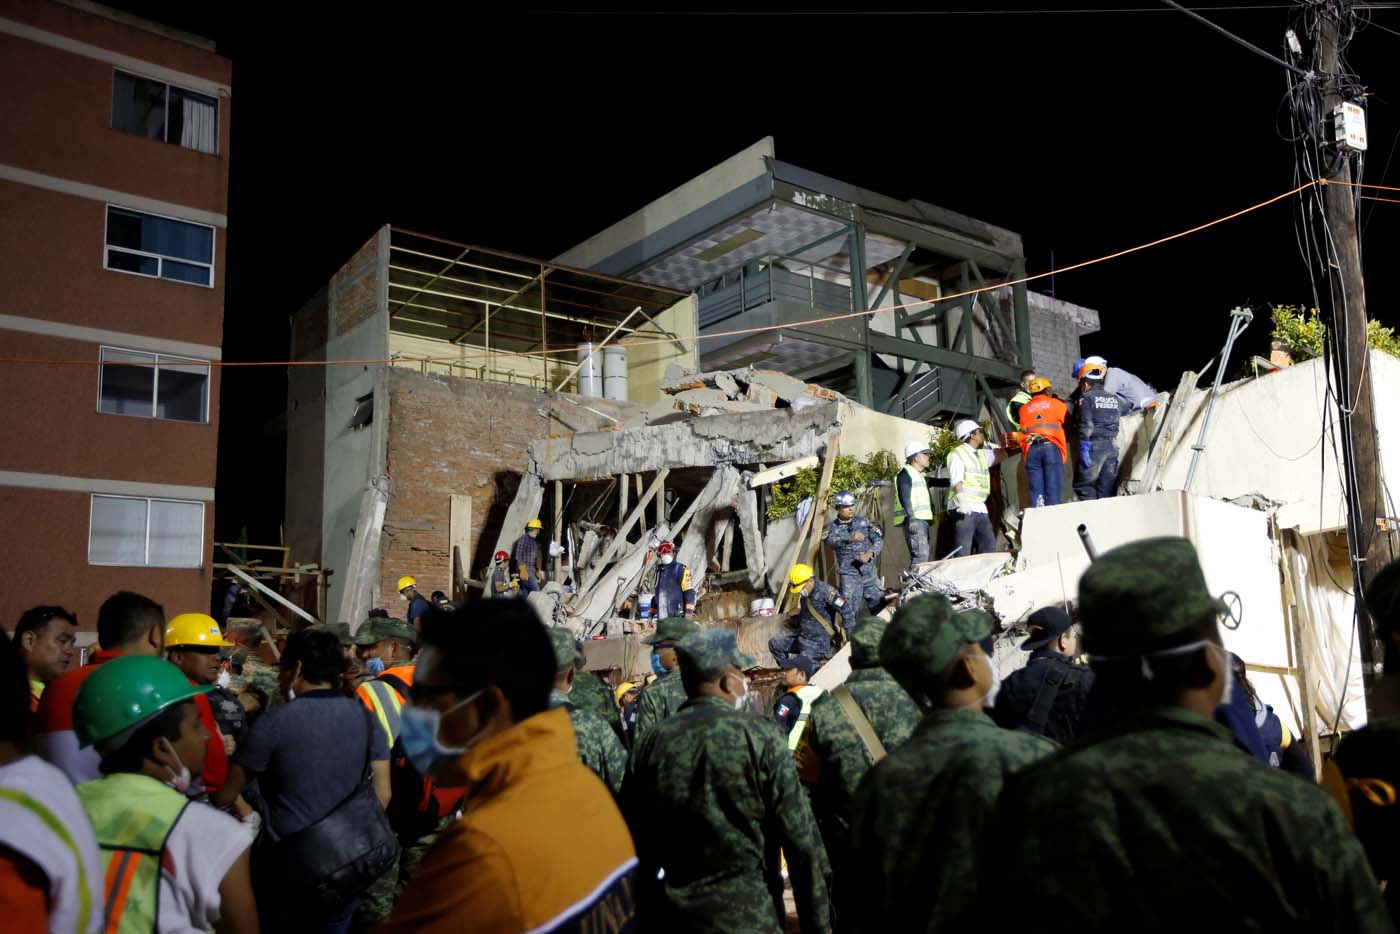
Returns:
point(589, 379)
point(615, 373)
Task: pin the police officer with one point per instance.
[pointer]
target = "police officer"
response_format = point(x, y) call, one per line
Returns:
point(598, 746)
point(794, 708)
point(1096, 420)
point(857, 543)
point(712, 799)
point(665, 695)
point(820, 610)
point(1159, 819)
point(674, 594)
point(1047, 697)
point(502, 584)
point(913, 507)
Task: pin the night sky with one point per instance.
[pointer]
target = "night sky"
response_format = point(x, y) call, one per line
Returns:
point(1084, 132)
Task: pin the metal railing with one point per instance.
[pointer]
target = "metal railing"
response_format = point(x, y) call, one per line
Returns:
point(773, 284)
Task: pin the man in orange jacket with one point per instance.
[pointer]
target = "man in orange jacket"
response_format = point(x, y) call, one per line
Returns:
point(1043, 443)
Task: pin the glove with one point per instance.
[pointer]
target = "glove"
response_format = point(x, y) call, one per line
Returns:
point(1086, 460)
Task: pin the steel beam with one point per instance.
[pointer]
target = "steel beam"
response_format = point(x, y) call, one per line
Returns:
point(938, 356)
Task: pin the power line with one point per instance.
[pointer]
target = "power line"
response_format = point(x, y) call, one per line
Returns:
point(1236, 39)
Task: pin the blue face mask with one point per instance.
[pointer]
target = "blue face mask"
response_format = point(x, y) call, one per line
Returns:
point(656, 665)
point(375, 666)
point(419, 733)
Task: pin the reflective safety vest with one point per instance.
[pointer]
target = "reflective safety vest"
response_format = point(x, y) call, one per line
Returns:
point(807, 694)
point(1021, 398)
point(1045, 416)
point(919, 499)
point(384, 700)
point(976, 480)
point(132, 816)
point(73, 909)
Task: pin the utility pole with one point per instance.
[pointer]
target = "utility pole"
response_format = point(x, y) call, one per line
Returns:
point(1366, 514)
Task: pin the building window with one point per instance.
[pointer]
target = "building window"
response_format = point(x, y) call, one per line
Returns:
point(161, 111)
point(151, 245)
point(136, 532)
point(153, 386)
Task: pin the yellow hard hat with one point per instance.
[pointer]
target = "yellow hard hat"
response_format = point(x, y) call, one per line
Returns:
point(194, 629)
point(534, 524)
point(622, 690)
point(406, 582)
point(1039, 384)
point(801, 574)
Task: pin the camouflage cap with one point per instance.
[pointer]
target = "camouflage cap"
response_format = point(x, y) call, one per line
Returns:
point(565, 647)
point(1144, 596)
point(377, 628)
point(703, 654)
point(926, 635)
point(671, 629)
point(340, 630)
point(865, 642)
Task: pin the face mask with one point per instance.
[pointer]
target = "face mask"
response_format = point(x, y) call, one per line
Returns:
point(224, 679)
point(291, 693)
point(403, 598)
point(419, 733)
point(990, 699)
point(1227, 694)
point(657, 668)
point(667, 559)
point(375, 666)
point(180, 780)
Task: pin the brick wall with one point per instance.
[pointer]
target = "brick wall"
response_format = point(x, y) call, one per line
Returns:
point(459, 436)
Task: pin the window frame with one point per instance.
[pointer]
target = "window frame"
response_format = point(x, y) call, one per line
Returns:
point(160, 258)
point(155, 385)
point(112, 119)
point(146, 551)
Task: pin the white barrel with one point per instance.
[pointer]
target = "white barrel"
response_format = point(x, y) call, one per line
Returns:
point(589, 382)
point(615, 373)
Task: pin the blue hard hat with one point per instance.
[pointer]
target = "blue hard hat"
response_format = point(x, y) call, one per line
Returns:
point(1078, 365)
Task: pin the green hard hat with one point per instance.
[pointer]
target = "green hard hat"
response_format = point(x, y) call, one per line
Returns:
point(126, 692)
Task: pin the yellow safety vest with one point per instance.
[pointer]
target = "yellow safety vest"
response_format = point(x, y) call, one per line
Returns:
point(1021, 398)
point(919, 499)
point(807, 694)
point(976, 481)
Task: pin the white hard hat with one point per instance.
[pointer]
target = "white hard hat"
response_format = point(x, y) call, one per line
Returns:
point(1096, 361)
point(915, 447)
point(965, 428)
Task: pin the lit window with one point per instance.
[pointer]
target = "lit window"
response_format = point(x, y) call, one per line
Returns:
point(164, 112)
point(137, 532)
point(151, 245)
point(153, 386)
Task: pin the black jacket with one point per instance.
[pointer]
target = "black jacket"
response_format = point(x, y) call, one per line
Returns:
point(1063, 708)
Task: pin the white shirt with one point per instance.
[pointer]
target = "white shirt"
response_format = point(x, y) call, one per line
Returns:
point(202, 847)
point(27, 832)
point(956, 469)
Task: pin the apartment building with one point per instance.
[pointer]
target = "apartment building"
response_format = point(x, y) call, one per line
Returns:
point(113, 218)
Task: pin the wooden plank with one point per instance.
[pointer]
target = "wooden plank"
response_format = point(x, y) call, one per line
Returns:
point(558, 529)
point(813, 525)
point(1307, 721)
point(781, 472)
point(459, 539)
point(259, 588)
point(622, 488)
point(625, 528)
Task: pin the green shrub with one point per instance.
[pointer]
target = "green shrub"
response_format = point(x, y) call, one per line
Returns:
point(1302, 332)
point(847, 474)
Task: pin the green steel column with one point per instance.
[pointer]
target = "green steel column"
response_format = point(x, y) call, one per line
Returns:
point(1022, 312)
point(865, 388)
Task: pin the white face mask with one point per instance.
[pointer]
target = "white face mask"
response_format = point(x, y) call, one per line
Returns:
point(742, 701)
point(667, 559)
point(403, 598)
point(179, 780)
point(224, 679)
point(990, 698)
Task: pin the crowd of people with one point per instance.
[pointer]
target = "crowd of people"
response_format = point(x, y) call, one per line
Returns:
point(467, 774)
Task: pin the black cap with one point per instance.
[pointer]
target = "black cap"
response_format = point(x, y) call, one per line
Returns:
point(1046, 625)
point(801, 662)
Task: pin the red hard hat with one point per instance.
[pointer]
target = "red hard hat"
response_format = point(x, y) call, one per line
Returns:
point(665, 548)
point(502, 555)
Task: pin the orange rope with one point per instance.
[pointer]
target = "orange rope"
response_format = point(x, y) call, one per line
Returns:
point(1378, 198)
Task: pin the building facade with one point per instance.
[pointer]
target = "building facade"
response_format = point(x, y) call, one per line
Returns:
point(113, 217)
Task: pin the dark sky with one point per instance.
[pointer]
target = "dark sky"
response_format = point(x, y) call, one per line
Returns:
point(1085, 132)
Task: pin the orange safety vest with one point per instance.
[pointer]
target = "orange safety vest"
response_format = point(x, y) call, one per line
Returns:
point(1044, 415)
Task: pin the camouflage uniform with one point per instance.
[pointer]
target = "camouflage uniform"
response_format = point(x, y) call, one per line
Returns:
point(1159, 822)
point(919, 814)
point(598, 746)
point(664, 696)
point(591, 694)
point(839, 758)
point(860, 583)
point(711, 795)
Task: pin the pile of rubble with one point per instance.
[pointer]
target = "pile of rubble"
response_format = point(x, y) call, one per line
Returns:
point(731, 392)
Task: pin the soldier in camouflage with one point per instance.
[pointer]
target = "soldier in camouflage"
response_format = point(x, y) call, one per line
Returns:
point(857, 544)
point(590, 693)
point(920, 813)
point(836, 757)
point(1158, 821)
point(598, 746)
point(711, 797)
point(665, 695)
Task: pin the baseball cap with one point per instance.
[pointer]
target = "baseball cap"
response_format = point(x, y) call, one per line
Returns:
point(1046, 625)
point(801, 662)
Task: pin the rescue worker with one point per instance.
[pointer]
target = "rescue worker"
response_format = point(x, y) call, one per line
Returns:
point(503, 583)
point(1281, 748)
point(794, 708)
point(192, 644)
point(851, 728)
point(526, 557)
point(164, 856)
point(920, 812)
point(597, 744)
point(674, 594)
point(417, 603)
point(46, 639)
point(383, 643)
point(1043, 443)
point(626, 695)
point(857, 543)
point(820, 611)
point(1023, 395)
point(1134, 395)
point(1096, 422)
point(1159, 820)
point(913, 506)
point(1048, 696)
point(665, 695)
point(711, 797)
point(970, 479)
